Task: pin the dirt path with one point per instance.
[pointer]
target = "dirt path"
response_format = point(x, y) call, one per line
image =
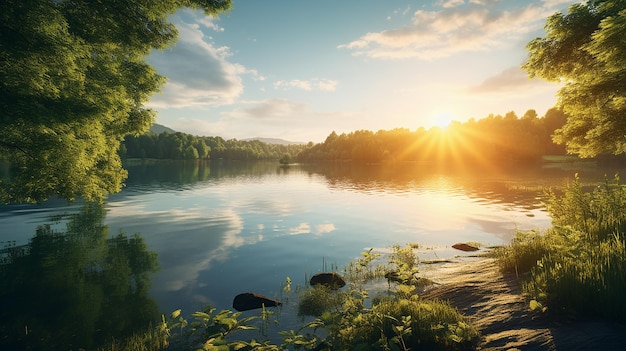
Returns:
point(494, 303)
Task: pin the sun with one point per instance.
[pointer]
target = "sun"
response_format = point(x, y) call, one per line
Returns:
point(443, 119)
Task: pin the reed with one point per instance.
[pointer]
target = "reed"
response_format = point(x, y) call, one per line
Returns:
point(579, 265)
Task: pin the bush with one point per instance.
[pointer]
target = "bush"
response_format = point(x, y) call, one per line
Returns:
point(402, 324)
point(579, 265)
point(525, 250)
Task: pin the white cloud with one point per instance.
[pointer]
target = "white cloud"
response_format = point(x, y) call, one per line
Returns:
point(513, 78)
point(271, 108)
point(452, 3)
point(308, 85)
point(458, 27)
point(198, 72)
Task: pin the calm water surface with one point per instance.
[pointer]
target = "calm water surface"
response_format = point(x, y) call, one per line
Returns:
point(224, 228)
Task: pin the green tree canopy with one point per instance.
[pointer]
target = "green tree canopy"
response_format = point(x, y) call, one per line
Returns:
point(73, 81)
point(586, 50)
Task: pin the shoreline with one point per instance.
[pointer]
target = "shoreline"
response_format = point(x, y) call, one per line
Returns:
point(494, 303)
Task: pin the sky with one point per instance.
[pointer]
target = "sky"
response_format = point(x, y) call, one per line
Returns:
point(298, 70)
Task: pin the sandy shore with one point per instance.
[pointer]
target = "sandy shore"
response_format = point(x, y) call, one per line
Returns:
point(494, 303)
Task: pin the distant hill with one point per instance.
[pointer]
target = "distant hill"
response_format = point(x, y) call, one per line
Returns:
point(158, 129)
point(275, 141)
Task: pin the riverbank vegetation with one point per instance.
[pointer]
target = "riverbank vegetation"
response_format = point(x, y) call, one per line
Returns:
point(356, 318)
point(579, 265)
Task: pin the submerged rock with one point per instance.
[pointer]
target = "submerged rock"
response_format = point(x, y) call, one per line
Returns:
point(331, 280)
point(465, 247)
point(251, 301)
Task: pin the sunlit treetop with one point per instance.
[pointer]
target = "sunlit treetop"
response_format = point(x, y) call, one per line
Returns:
point(586, 51)
point(73, 81)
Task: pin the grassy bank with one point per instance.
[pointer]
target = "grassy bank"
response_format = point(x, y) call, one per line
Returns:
point(577, 267)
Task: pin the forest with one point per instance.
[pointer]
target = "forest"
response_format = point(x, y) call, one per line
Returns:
point(493, 138)
point(182, 146)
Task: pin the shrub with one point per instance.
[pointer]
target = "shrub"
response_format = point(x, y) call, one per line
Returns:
point(394, 324)
point(525, 250)
point(579, 264)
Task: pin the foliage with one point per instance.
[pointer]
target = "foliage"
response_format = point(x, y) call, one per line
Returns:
point(525, 250)
point(178, 146)
point(585, 50)
point(362, 269)
point(489, 140)
point(598, 214)
point(402, 324)
point(319, 299)
point(580, 263)
point(400, 321)
point(73, 83)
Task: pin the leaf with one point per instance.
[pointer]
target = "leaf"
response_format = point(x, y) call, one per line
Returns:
point(176, 313)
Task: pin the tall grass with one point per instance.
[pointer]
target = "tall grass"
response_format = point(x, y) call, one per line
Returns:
point(578, 265)
point(402, 324)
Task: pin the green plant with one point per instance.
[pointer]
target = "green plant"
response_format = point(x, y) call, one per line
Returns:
point(362, 269)
point(525, 250)
point(400, 324)
point(397, 321)
point(599, 213)
point(578, 265)
point(404, 265)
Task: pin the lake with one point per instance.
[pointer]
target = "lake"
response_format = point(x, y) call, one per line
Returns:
point(224, 228)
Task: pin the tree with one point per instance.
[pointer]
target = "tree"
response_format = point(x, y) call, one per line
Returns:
point(73, 81)
point(586, 51)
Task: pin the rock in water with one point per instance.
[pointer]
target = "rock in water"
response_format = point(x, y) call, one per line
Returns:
point(251, 301)
point(465, 247)
point(331, 280)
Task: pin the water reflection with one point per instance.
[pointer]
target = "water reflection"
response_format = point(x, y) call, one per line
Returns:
point(164, 174)
point(517, 186)
point(74, 288)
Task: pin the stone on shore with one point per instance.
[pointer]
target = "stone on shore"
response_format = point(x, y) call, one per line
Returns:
point(465, 247)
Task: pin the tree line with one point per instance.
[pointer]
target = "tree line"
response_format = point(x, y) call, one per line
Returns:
point(494, 138)
point(182, 146)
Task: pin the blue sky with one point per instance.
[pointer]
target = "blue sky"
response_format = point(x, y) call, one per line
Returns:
point(298, 70)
